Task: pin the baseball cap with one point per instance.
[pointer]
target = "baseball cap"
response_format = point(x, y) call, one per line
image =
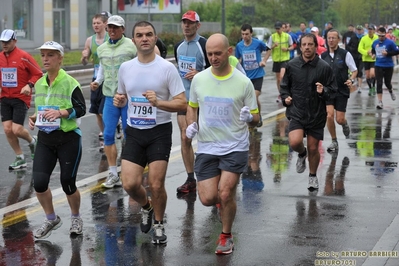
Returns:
point(106, 14)
point(393, 24)
point(116, 20)
point(382, 30)
point(359, 27)
point(315, 29)
point(7, 35)
point(51, 45)
point(371, 27)
point(278, 25)
point(191, 15)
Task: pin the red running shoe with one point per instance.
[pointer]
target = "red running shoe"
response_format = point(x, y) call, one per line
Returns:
point(225, 244)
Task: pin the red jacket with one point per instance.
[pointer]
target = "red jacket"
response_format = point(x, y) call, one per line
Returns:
point(27, 70)
point(320, 48)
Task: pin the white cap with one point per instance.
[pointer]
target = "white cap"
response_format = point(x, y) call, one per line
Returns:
point(50, 45)
point(191, 15)
point(7, 35)
point(315, 29)
point(393, 24)
point(116, 20)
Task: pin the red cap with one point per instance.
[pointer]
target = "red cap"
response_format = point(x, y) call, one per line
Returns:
point(191, 15)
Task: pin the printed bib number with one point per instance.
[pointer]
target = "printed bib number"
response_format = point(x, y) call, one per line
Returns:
point(141, 112)
point(379, 50)
point(185, 64)
point(218, 111)
point(42, 123)
point(249, 59)
point(9, 77)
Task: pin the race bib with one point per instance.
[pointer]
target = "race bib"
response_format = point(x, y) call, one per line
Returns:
point(42, 123)
point(249, 59)
point(9, 77)
point(141, 112)
point(218, 111)
point(185, 64)
point(379, 50)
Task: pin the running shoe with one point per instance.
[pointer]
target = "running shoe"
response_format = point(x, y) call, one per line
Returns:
point(260, 123)
point(48, 225)
point(146, 220)
point(393, 96)
point(225, 244)
point(17, 164)
point(188, 186)
point(301, 164)
point(373, 91)
point(380, 105)
point(346, 129)
point(32, 148)
point(112, 181)
point(100, 136)
point(313, 183)
point(359, 89)
point(76, 226)
point(119, 130)
point(101, 149)
point(158, 234)
point(333, 146)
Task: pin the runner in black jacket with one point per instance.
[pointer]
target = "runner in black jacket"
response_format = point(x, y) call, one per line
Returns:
point(306, 86)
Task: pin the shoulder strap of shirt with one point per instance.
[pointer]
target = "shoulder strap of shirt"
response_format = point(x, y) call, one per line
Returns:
point(175, 49)
point(202, 42)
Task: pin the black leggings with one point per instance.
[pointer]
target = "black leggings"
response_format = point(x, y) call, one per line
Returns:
point(386, 74)
point(66, 147)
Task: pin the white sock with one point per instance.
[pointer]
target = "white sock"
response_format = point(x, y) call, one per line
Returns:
point(21, 156)
point(114, 170)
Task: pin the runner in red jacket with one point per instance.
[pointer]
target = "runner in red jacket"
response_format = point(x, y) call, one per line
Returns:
point(19, 72)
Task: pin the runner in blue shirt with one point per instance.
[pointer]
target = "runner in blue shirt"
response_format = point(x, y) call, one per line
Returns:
point(249, 52)
point(383, 49)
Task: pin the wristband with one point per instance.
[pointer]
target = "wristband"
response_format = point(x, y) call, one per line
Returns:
point(60, 113)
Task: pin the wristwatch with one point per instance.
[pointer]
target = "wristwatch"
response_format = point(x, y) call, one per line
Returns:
point(353, 81)
point(31, 85)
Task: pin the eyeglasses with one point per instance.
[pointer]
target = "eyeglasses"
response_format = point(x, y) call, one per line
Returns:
point(381, 35)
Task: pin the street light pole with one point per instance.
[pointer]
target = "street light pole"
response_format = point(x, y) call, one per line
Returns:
point(223, 18)
point(322, 14)
point(149, 11)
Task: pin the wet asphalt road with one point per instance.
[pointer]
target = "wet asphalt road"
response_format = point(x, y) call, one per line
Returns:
point(348, 221)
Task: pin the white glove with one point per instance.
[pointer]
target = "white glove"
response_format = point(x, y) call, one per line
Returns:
point(245, 114)
point(192, 130)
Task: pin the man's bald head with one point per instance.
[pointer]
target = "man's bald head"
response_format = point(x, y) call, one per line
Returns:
point(218, 52)
point(218, 38)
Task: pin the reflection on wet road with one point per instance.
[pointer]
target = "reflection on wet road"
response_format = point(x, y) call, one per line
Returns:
point(278, 221)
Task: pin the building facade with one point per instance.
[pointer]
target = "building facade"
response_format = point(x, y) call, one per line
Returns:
point(36, 21)
point(68, 22)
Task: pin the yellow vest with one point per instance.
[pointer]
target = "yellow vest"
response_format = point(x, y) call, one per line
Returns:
point(283, 41)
